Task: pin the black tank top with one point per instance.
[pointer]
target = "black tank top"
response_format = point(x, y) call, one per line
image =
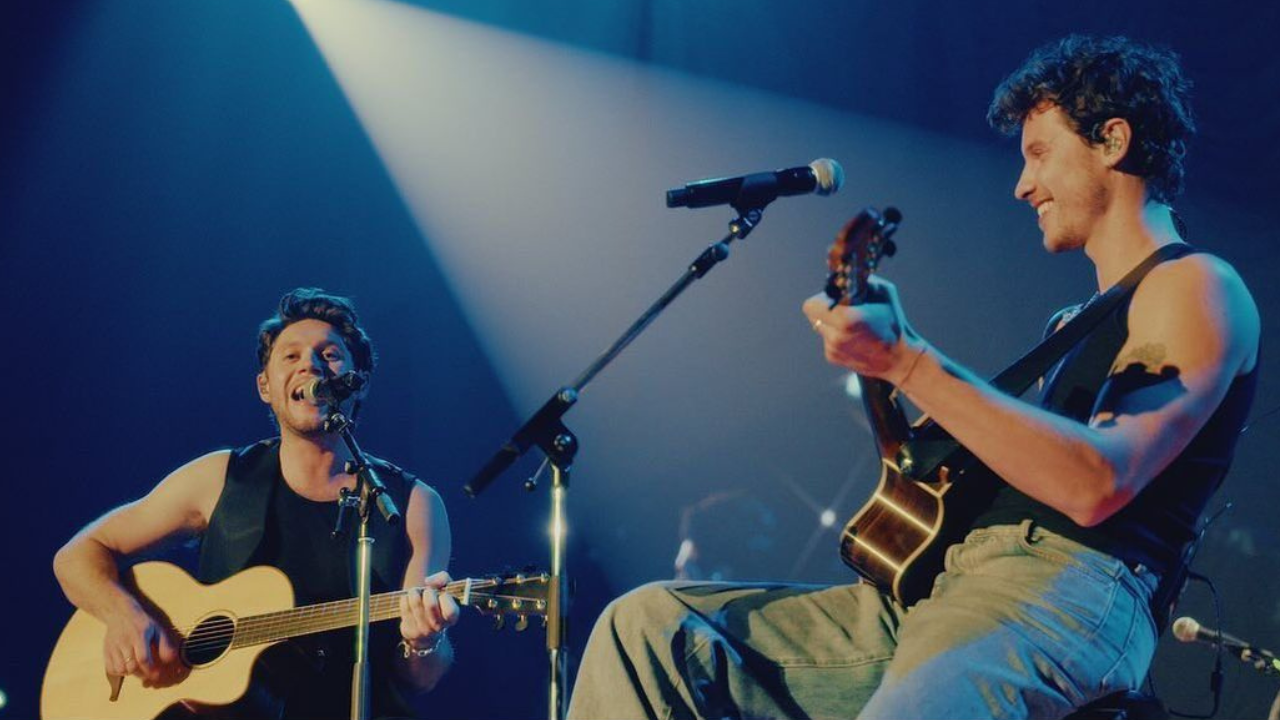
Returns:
point(1154, 527)
point(260, 520)
point(298, 540)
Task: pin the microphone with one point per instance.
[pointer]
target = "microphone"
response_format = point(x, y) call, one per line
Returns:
point(823, 177)
point(332, 390)
point(1188, 630)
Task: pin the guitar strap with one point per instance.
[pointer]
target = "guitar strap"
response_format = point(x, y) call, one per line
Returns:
point(1015, 379)
point(928, 450)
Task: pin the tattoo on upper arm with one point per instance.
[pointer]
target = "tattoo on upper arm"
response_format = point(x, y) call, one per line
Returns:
point(1141, 368)
point(1149, 356)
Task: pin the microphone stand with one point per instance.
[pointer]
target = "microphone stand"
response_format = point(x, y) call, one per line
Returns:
point(369, 491)
point(1262, 660)
point(547, 431)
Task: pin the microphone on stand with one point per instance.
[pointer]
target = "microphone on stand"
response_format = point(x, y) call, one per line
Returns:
point(822, 177)
point(1188, 630)
point(332, 390)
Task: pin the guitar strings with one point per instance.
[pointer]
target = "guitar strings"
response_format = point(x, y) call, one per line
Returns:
point(279, 625)
point(309, 615)
point(247, 633)
point(452, 589)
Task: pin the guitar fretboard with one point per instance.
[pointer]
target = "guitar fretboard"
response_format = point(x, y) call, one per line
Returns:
point(322, 617)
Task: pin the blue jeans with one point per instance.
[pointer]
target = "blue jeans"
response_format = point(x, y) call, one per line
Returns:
point(1023, 623)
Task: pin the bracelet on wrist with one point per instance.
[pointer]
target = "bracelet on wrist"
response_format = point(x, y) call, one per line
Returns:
point(412, 651)
point(901, 384)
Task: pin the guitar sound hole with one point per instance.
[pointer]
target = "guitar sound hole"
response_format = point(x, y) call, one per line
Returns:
point(209, 640)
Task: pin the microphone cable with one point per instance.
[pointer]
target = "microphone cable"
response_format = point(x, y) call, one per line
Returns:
point(1217, 676)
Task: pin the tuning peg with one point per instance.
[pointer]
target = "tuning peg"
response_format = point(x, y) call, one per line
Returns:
point(499, 622)
point(522, 622)
point(890, 247)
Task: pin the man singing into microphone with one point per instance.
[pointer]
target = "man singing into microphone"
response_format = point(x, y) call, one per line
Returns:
point(275, 503)
point(1046, 603)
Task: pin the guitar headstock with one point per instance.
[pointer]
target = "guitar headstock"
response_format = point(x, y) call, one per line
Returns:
point(515, 594)
point(859, 247)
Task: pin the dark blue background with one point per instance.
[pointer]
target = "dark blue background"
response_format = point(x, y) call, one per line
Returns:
point(132, 282)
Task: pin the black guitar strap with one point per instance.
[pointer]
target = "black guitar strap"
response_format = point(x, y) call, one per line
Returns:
point(1019, 376)
point(930, 449)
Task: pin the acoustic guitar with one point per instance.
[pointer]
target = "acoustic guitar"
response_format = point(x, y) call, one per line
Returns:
point(898, 538)
point(221, 629)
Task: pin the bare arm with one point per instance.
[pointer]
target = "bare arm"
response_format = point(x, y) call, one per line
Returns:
point(426, 614)
point(1193, 329)
point(86, 567)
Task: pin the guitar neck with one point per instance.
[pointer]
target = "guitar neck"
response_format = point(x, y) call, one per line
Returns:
point(322, 617)
point(889, 425)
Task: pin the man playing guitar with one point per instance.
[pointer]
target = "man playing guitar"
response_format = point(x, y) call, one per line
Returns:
point(274, 503)
point(1045, 603)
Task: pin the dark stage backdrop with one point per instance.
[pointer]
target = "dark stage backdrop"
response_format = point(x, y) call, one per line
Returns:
point(168, 169)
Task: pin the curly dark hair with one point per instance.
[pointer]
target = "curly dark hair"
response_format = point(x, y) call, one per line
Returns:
point(1095, 79)
point(316, 304)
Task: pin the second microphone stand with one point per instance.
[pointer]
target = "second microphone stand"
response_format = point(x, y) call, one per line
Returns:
point(546, 430)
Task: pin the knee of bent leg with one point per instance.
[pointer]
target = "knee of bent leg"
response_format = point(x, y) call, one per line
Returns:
point(651, 610)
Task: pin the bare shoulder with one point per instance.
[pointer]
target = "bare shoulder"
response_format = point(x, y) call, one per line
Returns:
point(198, 484)
point(1199, 267)
point(180, 505)
point(206, 467)
point(1198, 300)
point(426, 504)
point(427, 524)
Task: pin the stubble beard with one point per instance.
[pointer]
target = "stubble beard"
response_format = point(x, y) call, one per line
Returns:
point(1070, 235)
point(1064, 240)
point(309, 428)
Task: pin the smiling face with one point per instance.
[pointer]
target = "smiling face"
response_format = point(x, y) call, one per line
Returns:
point(303, 351)
point(1064, 178)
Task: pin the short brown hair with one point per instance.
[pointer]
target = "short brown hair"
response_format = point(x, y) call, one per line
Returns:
point(316, 304)
point(1095, 79)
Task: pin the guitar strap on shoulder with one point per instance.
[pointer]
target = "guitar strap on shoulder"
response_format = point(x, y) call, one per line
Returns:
point(931, 447)
point(1019, 376)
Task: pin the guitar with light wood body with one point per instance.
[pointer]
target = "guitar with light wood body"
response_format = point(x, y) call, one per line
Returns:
point(221, 630)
